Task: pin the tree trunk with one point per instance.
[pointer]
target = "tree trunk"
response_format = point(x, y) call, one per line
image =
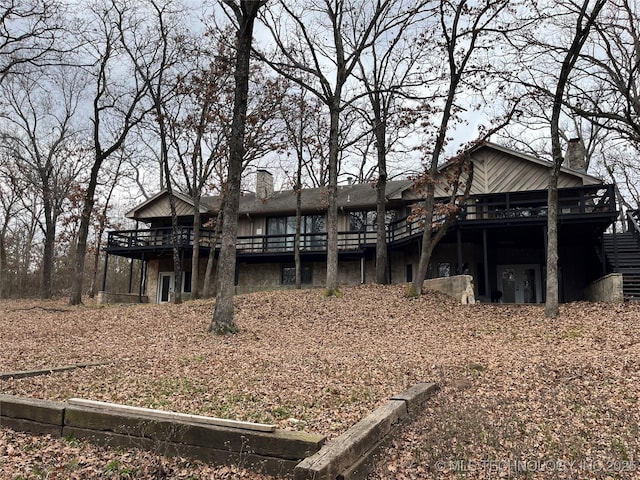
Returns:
point(96, 265)
point(47, 260)
point(223, 322)
point(296, 246)
point(427, 241)
point(206, 288)
point(83, 233)
point(3, 266)
point(570, 59)
point(332, 210)
point(551, 305)
point(382, 276)
point(176, 242)
point(195, 255)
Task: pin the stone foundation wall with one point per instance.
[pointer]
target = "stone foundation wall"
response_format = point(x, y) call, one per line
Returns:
point(605, 289)
point(459, 287)
point(108, 297)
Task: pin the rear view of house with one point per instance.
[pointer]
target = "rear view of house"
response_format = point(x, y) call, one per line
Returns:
point(499, 237)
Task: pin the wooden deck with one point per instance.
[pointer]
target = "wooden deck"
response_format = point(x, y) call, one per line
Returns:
point(576, 205)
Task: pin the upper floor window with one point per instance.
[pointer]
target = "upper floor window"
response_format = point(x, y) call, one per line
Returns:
point(309, 224)
point(362, 221)
point(367, 220)
point(281, 231)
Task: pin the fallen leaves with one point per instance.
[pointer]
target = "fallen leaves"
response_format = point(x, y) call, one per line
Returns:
point(514, 385)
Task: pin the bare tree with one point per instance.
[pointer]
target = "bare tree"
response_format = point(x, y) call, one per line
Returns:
point(29, 34)
point(155, 58)
point(39, 134)
point(100, 216)
point(116, 109)
point(323, 41)
point(197, 131)
point(463, 32)
point(389, 73)
point(585, 16)
point(300, 116)
point(605, 87)
point(604, 90)
point(11, 188)
point(245, 13)
point(200, 131)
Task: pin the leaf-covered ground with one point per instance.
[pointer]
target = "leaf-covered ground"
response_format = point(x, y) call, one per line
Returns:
point(521, 396)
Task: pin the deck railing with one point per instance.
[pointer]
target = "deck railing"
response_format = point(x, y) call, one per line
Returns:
point(633, 222)
point(515, 206)
point(156, 237)
point(573, 201)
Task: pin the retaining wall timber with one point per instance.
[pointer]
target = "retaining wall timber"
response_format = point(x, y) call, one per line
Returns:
point(32, 415)
point(279, 452)
point(275, 453)
point(352, 454)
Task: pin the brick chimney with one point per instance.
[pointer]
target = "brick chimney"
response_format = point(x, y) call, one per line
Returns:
point(575, 157)
point(264, 184)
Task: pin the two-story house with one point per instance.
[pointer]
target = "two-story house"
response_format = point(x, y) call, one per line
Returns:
point(499, 238)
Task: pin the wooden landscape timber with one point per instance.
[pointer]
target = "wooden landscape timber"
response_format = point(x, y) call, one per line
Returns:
point(162, 414)
point(352, 454)
point(48, 371)
point(256, 446)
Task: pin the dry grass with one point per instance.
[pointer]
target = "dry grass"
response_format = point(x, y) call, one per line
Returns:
point(515, 386)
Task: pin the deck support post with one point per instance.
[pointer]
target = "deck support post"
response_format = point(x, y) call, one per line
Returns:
point(603, 257)
point(143, 274)
point(104, 274)
point(130, 275)
point(459, 250)
point(485, 255)
point(615, 248)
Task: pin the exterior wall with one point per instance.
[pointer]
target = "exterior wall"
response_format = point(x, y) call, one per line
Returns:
point(263, 276)
point(154, 267)
point(161, 208)
point(576, 262)
point(606, 289)
point(399, 262)
point(107, 297)
point(498, 172)
point(349, 272)
point(258, 276)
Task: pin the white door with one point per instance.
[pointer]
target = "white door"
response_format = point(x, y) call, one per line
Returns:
point(519, 283)
point(166, 283)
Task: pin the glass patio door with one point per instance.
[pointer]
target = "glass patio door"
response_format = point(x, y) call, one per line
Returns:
point(519, 283)
point(165, 287)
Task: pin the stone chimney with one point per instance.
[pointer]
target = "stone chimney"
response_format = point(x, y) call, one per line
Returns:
point(264, 184)
point(575, 157)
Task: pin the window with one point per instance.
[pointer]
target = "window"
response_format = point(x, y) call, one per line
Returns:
point(444, 269)
point(288, 276)
point(313, 230)
point(362, 221)
point(282, 232)
point(186, 282)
